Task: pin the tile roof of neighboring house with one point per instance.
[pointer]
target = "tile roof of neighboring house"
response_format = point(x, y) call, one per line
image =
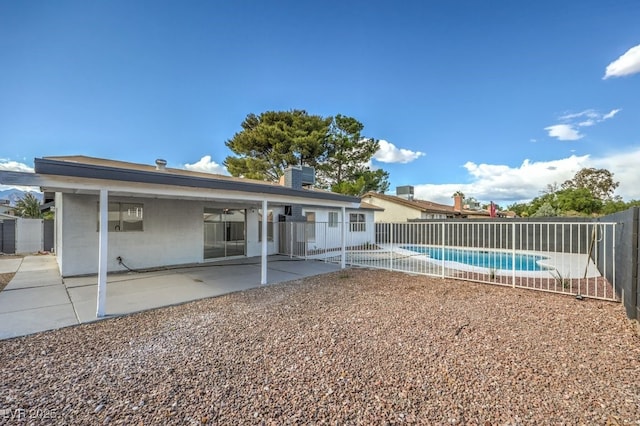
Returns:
point(369, 206)
point(425, 206)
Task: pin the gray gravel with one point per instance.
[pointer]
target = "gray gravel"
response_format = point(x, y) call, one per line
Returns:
point(353, 347)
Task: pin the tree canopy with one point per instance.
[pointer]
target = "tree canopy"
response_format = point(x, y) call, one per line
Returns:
point(590, 192)
point(275, 140)
point(346, 167)
point(28, 206)
point(599, 182)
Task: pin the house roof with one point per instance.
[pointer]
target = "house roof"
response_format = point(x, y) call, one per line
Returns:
point(368, 206)
point(4, 216)
point(104, 162)
point(98, 168)
point(424, 205)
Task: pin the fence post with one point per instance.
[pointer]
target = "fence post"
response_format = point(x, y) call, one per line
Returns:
point(391, 247)
point(291, 239)
point(442, 242)
point(513, 255)
point(343, 239)
point(324, 248)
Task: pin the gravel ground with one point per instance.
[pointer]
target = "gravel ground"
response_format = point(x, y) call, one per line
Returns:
point(353, 347)
point(5, 278)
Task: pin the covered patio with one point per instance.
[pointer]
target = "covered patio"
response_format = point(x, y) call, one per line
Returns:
point(112, 215)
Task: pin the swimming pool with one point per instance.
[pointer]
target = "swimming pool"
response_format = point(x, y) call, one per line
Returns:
point(485, 259)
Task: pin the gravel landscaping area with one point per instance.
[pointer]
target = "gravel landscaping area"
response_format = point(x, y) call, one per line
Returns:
point(5, 278)
point(352, 347)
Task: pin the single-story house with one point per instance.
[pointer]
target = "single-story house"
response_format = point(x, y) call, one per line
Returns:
point(406, 208)
point(109, 214)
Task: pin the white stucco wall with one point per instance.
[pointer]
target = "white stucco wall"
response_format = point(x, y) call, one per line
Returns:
point(254, 245)
point(172, 235)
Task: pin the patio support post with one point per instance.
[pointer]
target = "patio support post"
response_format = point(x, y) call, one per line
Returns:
point(263, 274)
point(102, 253)
point(343, 251)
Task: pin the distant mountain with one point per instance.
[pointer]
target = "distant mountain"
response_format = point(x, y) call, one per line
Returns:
point(13, 195)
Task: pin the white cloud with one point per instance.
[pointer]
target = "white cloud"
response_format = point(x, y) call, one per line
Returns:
point(589, 113)
point(564, 132)
point(506, 185)
point(14, 166)
point(206, 165)
point(389, 153)
point(627, 64)
point(611, 114)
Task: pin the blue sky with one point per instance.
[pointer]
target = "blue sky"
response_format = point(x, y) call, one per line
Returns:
point(494, 98)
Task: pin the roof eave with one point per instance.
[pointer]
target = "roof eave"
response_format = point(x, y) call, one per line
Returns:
point(45, 166)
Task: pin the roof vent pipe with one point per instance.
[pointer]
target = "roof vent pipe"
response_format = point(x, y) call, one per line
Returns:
point(161, 164)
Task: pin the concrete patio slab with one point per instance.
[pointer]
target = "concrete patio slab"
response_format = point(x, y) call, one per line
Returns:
point(38, 299)
point(38, 263)
point(31, 279)
point(29, 321)
point(34, 297)
point(9, 265)
point(135, 292)
point(138, 294)
point(36, 271)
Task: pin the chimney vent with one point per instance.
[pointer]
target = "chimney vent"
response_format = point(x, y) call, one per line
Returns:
point(161, 164)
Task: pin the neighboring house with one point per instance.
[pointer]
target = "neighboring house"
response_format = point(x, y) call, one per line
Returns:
point(405, 208)
point(159, 216)
point(6, 208)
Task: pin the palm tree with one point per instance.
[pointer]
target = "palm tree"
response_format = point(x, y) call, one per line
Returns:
point(28, 206)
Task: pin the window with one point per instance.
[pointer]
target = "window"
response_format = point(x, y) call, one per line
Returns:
point(124, 217)
point(269, 225)
point(333, 219)
point(357, 222)
point(311, 226)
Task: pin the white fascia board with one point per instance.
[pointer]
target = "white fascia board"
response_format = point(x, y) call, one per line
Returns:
point(54, 183)
point(11, 178)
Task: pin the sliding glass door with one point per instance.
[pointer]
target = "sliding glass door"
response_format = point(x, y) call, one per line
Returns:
point(224, 233)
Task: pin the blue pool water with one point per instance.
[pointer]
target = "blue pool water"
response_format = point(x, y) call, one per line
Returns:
point(484, 259)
